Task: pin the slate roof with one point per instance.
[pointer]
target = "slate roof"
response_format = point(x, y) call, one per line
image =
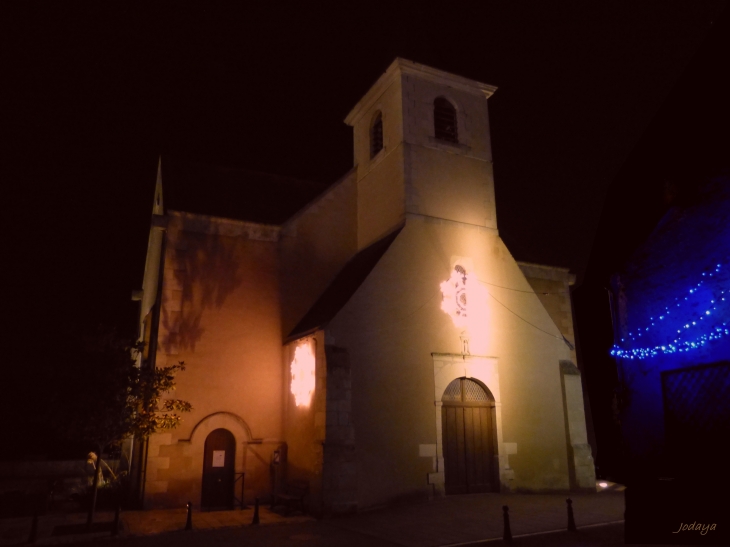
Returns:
point(344, 285)
point(234, 193)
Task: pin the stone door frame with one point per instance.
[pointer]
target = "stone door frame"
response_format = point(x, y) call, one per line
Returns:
point(446, 368)
point(209, 473)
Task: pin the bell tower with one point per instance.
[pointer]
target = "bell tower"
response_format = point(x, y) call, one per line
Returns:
point(422, 147)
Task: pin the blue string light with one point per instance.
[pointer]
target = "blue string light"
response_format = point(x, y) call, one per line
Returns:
point(681, 342)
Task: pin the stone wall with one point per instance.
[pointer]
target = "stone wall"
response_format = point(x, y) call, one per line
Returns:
point(220, 315)
point(340, 472)
point(304, 425)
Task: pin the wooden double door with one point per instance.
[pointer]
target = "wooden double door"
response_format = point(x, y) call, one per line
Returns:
point(467, 421)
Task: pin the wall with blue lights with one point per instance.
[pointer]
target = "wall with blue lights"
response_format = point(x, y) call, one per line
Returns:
point(672, 310)
point(689, 322)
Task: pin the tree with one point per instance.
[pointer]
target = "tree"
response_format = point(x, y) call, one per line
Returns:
point(109, 398)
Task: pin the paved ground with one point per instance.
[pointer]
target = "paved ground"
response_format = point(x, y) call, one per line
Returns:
point(322, 534)
point(134, 524)
point(459, 519)
point(467, 519)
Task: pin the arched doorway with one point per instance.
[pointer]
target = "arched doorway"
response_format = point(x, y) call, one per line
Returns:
point(218, 470)
point(468, 422)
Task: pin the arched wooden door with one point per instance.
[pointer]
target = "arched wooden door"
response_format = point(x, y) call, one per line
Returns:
point(219, 470)
point(467, 422)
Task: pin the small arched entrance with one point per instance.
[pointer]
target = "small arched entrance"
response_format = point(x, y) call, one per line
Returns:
point(218, 470)
point(468, 433)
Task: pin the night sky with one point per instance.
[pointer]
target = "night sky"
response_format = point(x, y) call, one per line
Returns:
point(95, 92)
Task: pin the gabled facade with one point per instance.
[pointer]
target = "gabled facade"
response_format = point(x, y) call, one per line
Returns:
point(380, 344)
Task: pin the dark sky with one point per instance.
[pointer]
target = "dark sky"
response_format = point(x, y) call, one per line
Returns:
point(95, 91)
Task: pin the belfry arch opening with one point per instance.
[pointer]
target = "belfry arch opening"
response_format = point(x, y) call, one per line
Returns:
point(469, 436)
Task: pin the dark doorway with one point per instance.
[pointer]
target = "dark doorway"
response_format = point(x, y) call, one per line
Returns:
point(467, 424)
point(218, 470)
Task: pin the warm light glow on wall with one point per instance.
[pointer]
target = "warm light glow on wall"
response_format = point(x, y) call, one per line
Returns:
point(302, 373)
point(456, 296)
point(465, 300)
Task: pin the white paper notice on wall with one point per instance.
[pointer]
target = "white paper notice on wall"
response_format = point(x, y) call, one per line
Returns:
point(219, 458)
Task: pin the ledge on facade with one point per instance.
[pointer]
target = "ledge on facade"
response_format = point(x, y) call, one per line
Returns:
point(211, 225)
point(464, 356)
point(542, 271)
point(447, 145)
point(568, 367)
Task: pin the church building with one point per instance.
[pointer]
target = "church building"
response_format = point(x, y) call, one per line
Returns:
point(378, 344)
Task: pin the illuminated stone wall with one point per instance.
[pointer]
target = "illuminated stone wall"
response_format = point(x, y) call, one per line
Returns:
point(380, 179)
point(313, 247)
point(220, 314)
point(233, 291)
point(395, 322)
point(416, 173)
point(552, 286)
point(394, 325)
point(340, 493)
point(447, 180)
point(304, 425)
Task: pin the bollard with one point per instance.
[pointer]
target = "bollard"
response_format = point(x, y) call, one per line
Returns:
point(33, 528)
point(115, 528)
point(255, 512)
point(507, 529)
point(189, 522)
point(571, 520)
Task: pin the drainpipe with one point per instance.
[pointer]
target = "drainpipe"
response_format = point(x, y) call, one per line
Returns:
point(157, 221)
point(609, 293)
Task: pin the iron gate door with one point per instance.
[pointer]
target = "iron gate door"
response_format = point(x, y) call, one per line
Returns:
point(697, 414)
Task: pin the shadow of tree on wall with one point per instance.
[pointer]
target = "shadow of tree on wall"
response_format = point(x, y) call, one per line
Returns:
point(205, 265)
point(187, 327)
